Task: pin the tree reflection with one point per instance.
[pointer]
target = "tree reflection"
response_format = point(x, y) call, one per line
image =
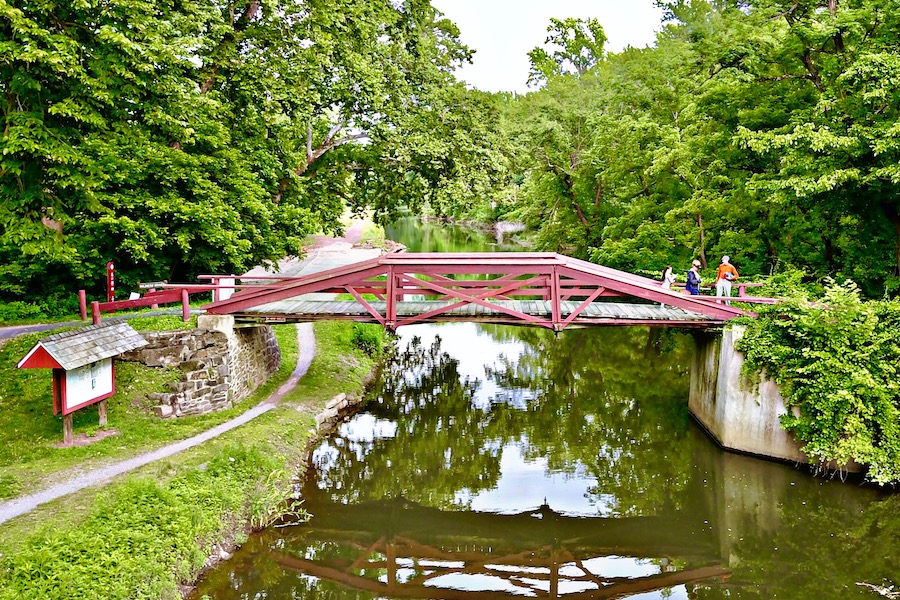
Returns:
point(826, 545)
point(604, 404)
point(624, 390)
point(440, 442)
point(424, 236)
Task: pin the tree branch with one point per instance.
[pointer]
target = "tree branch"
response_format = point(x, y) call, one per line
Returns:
point(240, 25)
point(807, 61)
point(312, 155)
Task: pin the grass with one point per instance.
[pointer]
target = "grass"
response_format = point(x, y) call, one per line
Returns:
point(151, 532)
point(373, 234)
point(29, 431)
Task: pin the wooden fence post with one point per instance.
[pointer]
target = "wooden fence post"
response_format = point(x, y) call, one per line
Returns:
point(82, 304)
point(95, 312)
point(185, 306)
point(68, 438)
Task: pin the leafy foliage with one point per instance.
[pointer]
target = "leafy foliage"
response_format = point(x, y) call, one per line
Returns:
point(765, 130)
point(578, 46)
point(180, 138)
point(836, 362)
point(371, 339)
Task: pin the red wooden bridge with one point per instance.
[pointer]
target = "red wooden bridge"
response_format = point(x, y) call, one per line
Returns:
point(523, 288)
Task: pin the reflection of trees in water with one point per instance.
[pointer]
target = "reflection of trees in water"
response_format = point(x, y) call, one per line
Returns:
point(826, 544)
point(423, 236)
point(782, 533)
point(440, 444)
point(826, 539)
point(601, 385)
point(585, 385)
point(401, 550)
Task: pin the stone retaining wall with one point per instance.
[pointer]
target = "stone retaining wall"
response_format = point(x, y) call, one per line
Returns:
point(219, 369)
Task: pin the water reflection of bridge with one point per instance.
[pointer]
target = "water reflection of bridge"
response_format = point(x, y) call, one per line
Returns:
point(520, 288)
point(403, 550)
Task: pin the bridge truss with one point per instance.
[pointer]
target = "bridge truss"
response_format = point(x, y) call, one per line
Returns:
point(527, 288)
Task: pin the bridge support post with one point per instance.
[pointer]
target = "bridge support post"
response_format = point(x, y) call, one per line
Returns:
point(223, 323)
point(740, 415)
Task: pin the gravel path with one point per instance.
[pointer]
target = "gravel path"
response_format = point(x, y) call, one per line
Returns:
point(19, 506)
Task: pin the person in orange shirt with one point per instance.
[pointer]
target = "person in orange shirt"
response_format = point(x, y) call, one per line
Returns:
point(724, 276)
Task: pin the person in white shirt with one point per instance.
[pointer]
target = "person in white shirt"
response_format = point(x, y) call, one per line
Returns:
point(668, 278)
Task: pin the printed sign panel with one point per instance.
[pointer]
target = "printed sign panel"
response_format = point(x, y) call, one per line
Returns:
point(88, 384)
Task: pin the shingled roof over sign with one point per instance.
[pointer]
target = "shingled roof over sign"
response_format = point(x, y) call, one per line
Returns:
point(79, 347)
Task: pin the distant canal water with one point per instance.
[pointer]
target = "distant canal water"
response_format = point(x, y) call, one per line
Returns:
point(499, 462)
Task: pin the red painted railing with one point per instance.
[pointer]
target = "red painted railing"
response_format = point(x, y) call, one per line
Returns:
point(152, 298)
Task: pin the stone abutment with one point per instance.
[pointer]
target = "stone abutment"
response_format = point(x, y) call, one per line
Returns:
point(220, 364)
point(741, 415)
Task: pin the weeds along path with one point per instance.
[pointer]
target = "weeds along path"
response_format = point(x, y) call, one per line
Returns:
point(19, 506)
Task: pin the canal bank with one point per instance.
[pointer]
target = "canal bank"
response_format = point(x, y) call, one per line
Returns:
point(182, 508)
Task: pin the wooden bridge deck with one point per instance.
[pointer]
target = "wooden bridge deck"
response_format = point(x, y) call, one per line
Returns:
point(595, 313)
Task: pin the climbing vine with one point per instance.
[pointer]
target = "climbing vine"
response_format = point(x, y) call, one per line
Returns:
point(836, 361)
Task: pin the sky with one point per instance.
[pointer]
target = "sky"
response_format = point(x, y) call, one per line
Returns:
point(502, 32)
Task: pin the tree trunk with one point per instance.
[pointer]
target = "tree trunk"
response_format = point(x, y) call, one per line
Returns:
point(702, 240)
point(839, 36)
point(893, 215)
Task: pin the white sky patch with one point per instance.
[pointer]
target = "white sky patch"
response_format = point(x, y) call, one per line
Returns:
point(503, 32)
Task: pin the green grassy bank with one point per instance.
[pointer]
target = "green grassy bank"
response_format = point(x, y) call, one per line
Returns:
point(150, 533)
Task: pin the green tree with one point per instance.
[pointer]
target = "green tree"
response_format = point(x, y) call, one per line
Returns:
point(577, 46)
point(830, 156)
point(835, 363)
point(182, 138)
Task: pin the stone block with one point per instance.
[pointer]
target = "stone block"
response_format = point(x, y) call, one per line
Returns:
point(222, 323)
point(183, 386)
point(191, 365)
point(162, 398)
point(164, 411)
point(334, 402)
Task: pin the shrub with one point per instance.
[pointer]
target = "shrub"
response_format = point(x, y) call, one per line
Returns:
point(11, 312)
point(369, 338)
point(141, 538)
point(837, 362)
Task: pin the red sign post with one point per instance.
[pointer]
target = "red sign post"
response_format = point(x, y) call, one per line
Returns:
point(110, 281)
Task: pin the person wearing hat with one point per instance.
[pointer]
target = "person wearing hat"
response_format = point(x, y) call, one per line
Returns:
point(724, 276)
point(693, 279)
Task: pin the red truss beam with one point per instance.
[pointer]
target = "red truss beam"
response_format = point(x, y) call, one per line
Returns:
point(470, 299)
point(394, 278)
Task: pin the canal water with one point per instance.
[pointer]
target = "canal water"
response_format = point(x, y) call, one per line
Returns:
point(498, 462)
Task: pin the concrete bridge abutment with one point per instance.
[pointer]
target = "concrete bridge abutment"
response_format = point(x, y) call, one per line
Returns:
point(741, 415)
